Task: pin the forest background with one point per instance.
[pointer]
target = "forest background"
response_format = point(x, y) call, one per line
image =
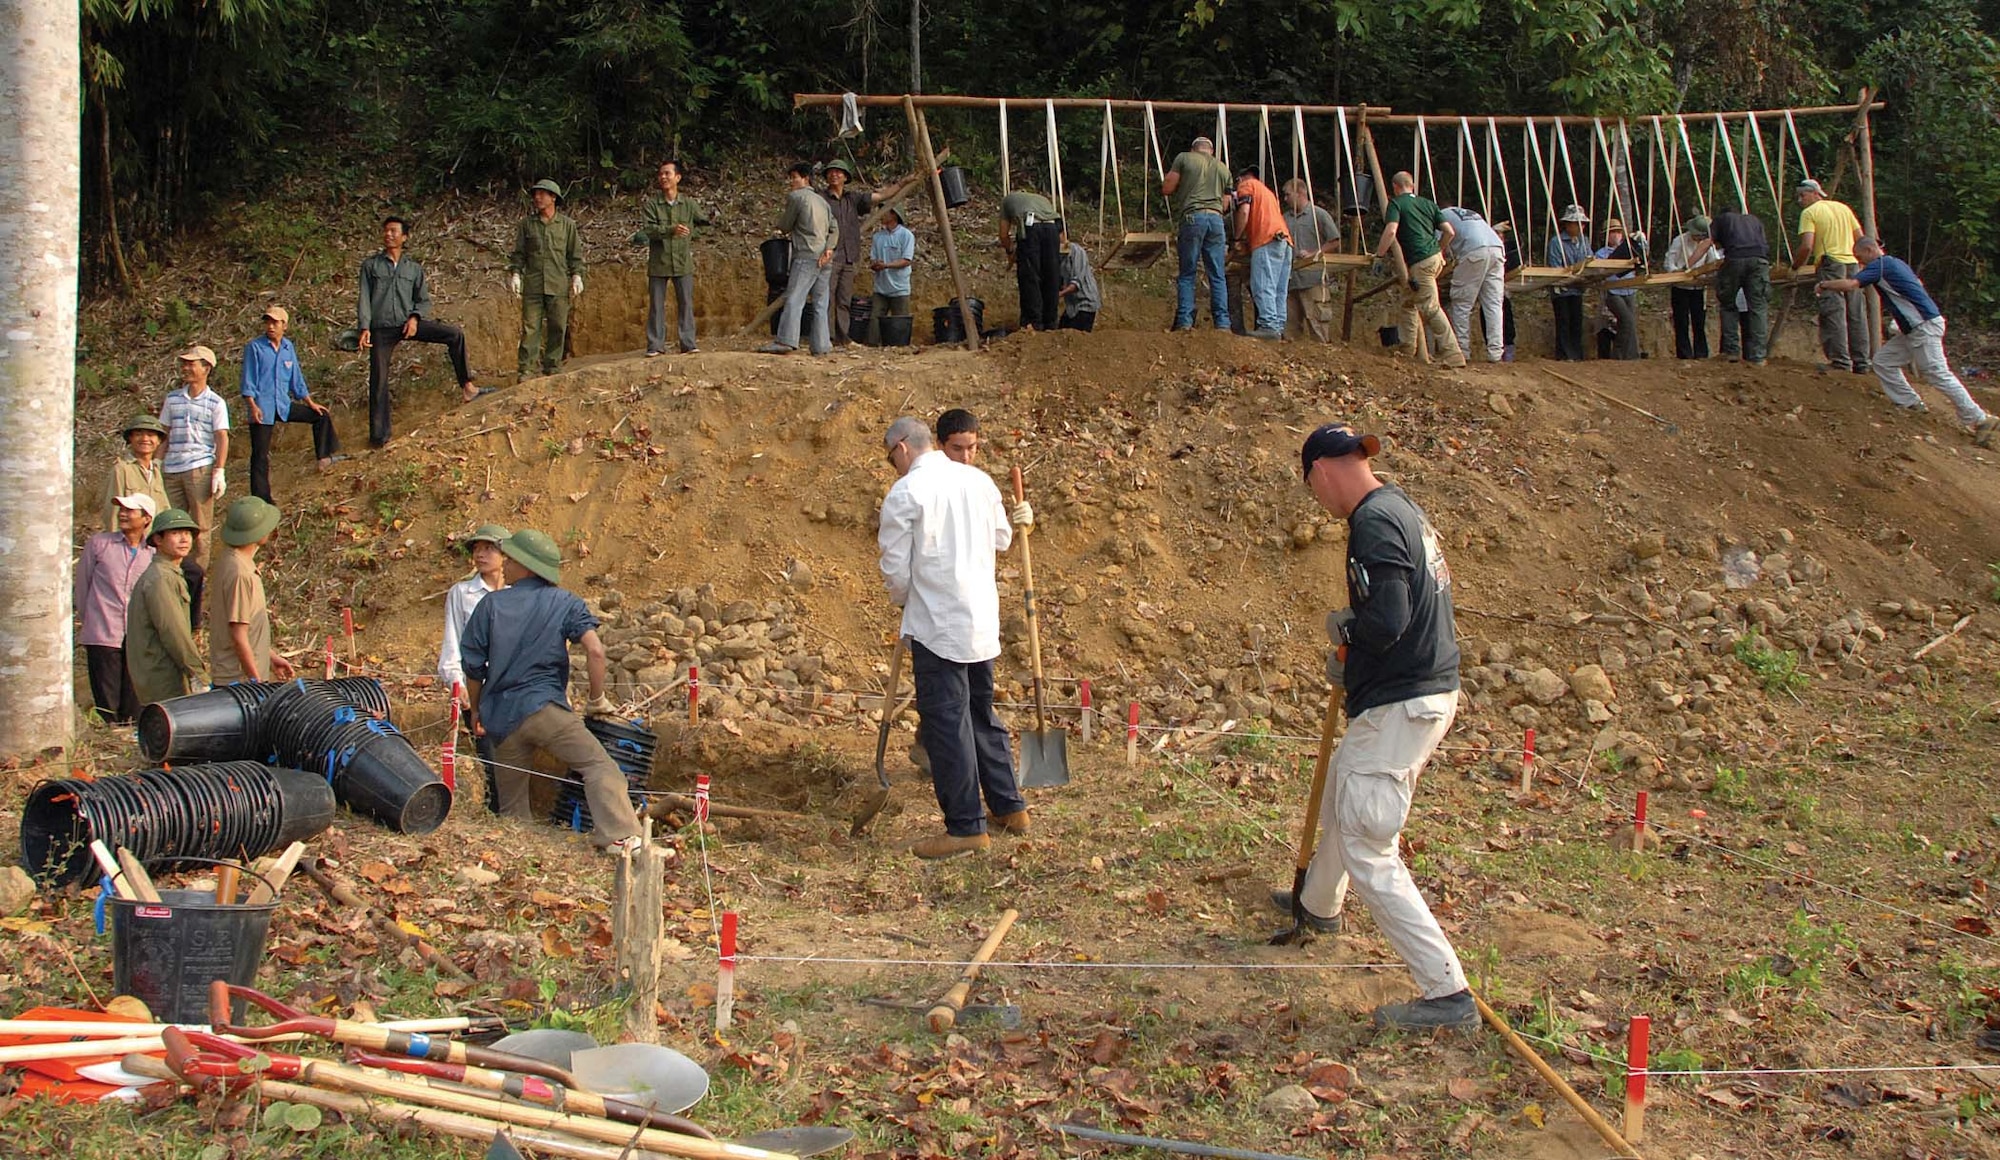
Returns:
point(194, 105)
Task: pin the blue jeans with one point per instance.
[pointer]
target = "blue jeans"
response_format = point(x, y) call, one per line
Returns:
point(1202, 238)
point(1270, 274)
point(965, 739)
point(809, 280)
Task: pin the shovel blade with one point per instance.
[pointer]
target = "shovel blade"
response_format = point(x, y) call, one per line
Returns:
point(1044, 758)
point(805, 1141)
point(646, 1074)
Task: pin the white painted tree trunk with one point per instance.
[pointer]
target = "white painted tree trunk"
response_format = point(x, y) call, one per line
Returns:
point(40, 156)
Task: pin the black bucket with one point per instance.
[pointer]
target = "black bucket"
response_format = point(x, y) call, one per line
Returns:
point(383, 777)
point(777, 255)
point(948, 327)
point(896, 329)
point(195, 813)
point(211, 726)
point(166, 953)
point(631, 747)
point(1390, 335)
point(956, 194)
point(859, 310)
point(1359, 198)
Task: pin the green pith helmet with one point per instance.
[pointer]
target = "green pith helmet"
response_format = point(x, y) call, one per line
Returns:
point(830, 166)
point(492, 534)
point(172, 520)
point(143, 423)
point(250, 519)
point(550, 186)
point(537, 553)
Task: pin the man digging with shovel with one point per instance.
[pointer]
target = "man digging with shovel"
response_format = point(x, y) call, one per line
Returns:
point(1396, 655)
point(941, 526)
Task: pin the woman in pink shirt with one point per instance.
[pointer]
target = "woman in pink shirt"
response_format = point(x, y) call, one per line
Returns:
point(111, 564)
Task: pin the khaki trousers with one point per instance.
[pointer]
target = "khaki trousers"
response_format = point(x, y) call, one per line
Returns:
point(1373, 777)
point(1423, 315)
point(194, 493)
point(560, 733)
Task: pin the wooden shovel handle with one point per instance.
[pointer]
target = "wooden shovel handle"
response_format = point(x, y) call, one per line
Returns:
point(1034, 622)
point(945, 1014)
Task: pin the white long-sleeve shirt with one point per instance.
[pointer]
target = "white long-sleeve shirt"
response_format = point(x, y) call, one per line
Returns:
point(942, 524)
point(459, 601)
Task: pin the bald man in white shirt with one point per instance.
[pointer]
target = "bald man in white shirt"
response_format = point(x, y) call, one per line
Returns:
point(942, 524)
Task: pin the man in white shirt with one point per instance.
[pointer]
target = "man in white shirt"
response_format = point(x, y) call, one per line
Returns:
point(941, 525)
point(197, 422)
point(489, 575)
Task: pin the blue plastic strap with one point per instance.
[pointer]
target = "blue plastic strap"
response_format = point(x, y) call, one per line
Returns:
point(576, 816)
point(103, 901)
point(329, 766)
point(345, 715)
point(420, 1044)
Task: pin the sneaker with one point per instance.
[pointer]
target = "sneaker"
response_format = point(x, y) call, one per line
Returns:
point(688, 350)
point(1914, 409)
point(1282, 899)
point(1267, 334)
point(1982, 435)
point(655, 353)
point(939, 846)
point(775, 348)
point(1863, 369)
point(1457, 1012)
point(1015, 823)
point(626, 845)
point(1755, 362)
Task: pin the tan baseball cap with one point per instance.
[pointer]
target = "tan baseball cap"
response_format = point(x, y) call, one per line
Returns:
point(279, 313)
point(139, 502)
point(198, 354)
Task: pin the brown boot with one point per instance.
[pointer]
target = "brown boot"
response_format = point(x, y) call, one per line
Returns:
point(1015, 823)
point(920, 757)
point(949, 846)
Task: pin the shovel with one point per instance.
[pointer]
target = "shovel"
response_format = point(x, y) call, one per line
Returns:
point(879, 796)
point(1044, 751)
point(655, 1078)
point(1299, 932)
point(534, 1089)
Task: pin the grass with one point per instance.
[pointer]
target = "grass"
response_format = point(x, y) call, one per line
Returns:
point(1776, 669)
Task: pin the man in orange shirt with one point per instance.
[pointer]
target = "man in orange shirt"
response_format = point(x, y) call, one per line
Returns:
point(1260, 231)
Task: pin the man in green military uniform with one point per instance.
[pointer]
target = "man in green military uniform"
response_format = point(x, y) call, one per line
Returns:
point(667, 227)
point(160, 652)
point(546, 270)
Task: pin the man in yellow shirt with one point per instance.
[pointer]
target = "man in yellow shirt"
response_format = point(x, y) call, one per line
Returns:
point(1827, 230)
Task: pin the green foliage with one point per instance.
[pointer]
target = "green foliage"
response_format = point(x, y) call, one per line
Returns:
point(1798, 968)
point(1776, 669)
point(1732, 786)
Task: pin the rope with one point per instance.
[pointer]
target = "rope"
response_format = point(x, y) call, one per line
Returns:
point(1729, 154)
point(1694, 166)
point(1805, 167)
point(1084, 965)
point(1302, 160)
point(1764, 159)
point(1625, 151)
point(1353, 172)
point(1535, 151)
point(1222, 133)
point(1561, 142)
point(1267, 159)
point(1426, 170)
point(1006, 164)
point(1670, 165)
point(1465, 141)
point(1525, 246)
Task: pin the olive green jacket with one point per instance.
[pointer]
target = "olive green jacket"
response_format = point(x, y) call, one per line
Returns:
point(160, 652)
point(670, 255)
point(546, 254)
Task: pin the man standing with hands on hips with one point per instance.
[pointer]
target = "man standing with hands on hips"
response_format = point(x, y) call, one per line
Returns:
point(942, 523)
point(1400, 673)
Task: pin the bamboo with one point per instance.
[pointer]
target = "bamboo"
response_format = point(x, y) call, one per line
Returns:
point(147, 1042)
point(1379, 113)
point(1865, 148)
point(448, 1123)
point(1520, 1048)
point(922, 134)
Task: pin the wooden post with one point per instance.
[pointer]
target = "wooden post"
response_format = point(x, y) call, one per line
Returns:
point(1636, 1047)
point(637, 930)
point(928, 159)
point(1865, 147)
point(1132, 734)
point(1085, 713)
point(1527, 761)
point(1367, 135)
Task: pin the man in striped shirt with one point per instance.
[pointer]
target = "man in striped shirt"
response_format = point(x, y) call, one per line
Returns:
point(197, 421)
point(1919, 339)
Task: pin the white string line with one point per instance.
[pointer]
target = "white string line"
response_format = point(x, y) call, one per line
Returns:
point(1045, 964)
point(1859, 1070)
point(1816, 881)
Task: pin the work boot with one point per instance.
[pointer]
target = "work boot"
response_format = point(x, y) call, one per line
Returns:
point(1982, 435)
point(1015, 823)
point(1282, 899)
point(939, 846)
point(1456, 1011)
point(920, 757)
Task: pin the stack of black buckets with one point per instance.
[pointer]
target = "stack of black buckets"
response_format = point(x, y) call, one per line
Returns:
point(255, 767)
point(631, 748)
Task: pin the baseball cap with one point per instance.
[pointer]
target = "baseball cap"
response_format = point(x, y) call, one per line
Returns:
point(1333, 441)
point(279, 313)
point(1200, 142)
point(1811, 186)
point(198, 354)
point(138, 502)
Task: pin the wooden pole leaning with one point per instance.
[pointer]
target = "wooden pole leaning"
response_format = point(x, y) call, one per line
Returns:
point(921, 133)
point(1533, 1058)
point(1864, 147)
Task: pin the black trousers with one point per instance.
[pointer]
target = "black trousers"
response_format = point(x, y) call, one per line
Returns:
point(383, 341)
point(1084, 320)
point(110, 684)
point(325, 444)
point(1038, 273)
point(1569, 326)
point(1690, 304)
point(965, 739)
point(197, 581)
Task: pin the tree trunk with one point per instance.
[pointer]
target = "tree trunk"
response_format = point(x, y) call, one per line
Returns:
point(916, 46)
point(40, 74)
point(108, 190)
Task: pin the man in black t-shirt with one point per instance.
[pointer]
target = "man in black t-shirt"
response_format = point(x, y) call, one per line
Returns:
point(1746, 266)
point(1396, 654)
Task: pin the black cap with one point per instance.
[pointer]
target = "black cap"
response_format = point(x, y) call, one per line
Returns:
point(1333, 441)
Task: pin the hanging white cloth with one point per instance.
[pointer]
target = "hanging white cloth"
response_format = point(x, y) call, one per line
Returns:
point(850, 115)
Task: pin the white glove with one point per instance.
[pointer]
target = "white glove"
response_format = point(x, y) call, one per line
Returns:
point(1022, 516)
point(576, 285)
point(601, 706)
point(221, 484)
point(514, 283)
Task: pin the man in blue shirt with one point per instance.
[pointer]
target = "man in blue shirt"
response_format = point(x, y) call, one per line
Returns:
point(515, 654)
point(1621, 307)
point(1569, 247)
point(1919, 338)
point(891, 252)
point(1478, 279)
point(272, 384)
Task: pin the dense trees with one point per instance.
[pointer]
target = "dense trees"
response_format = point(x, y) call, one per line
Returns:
point(190, 100)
